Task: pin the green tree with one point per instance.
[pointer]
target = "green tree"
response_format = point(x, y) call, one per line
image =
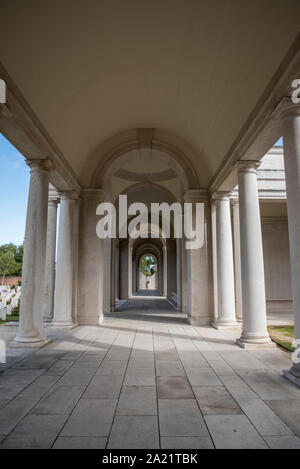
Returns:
point(147, 264)
point(11, 258)
point(8, 265)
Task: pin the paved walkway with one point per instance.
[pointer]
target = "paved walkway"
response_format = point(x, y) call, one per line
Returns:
point(147, 382)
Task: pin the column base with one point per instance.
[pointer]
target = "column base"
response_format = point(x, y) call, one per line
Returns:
point(64, 324)
point(229, 326)
point(29, 342)
point(256, 345)
point(288, 374)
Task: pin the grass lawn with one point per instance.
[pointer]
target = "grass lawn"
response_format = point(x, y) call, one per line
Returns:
point(283, 336)
point(14, 317)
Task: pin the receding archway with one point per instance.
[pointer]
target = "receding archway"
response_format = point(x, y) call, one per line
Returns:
point(147, 281)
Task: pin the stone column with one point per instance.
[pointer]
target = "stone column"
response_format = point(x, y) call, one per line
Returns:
point(31, 331)
point(117, 292)
point(50, 255)
point(199, 288)
point(291, 146)
point(237, 259)
point(252, 263)
point(183, 276)
point(225, 273)
point(130, 247)
point(90, 260)
point(179, 274)
point(165, 266)
point(214, 257)
point(63, 295)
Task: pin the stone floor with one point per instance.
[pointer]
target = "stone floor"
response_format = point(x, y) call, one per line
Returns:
point(147, 380)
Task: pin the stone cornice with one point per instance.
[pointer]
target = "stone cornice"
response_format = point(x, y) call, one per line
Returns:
point(196, 195)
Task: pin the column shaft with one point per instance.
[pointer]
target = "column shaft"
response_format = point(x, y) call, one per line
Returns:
point(237, 260)
point(50, 258)
point(252, 263)
point(31, 332)
point(63, 296)
point(225, 273)
point(291, 144)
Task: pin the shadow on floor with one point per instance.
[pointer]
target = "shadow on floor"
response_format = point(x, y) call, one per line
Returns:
point(150, 309)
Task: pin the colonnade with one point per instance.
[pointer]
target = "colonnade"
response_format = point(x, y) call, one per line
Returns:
point(239, 264)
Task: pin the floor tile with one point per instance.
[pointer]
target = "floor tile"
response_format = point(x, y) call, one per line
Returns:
point(180, 417)
point(112, 367)
point(202, 377)
point(13, 412)
point(233, 432)
point(104, 387)
point(91, 417)
point(173, 442)
point(59, 400)
point(40, 386)
point(80, 442)
point(288, 412)
point(173, 388)
point(283, 442)
point(134, 432)
point(140, 377)
point(263, 418)
point(13, 381)
point(169, 368)
point(215, 400)
point(137, 400)
point(35, 431)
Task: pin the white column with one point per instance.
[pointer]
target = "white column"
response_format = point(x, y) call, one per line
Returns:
point(50, 257)
point(184, 307)
point(117, 293)
point(165, 266)
point(129, 268)
point(291, 146)
point(31, 331)
point(214, 257)
point(65, 257)
point(252, 262)
point(199, 289)
point(237, 259)
point(179, 274)
point(90, 260)
point(225, 273)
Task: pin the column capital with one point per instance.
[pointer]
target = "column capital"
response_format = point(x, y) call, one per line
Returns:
point(196, 195)
point(42, 165)
point(68, 195)
point(221, 195)
point(235, 202)
point(247, 166)
point(53, 197)
point(286, 109)
point(53, 202)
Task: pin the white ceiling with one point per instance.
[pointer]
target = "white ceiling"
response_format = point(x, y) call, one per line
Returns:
point(194, 68)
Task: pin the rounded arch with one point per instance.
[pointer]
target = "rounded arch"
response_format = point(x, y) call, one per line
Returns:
point(111, 155)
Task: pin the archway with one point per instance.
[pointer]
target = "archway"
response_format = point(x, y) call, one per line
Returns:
point(147, 278)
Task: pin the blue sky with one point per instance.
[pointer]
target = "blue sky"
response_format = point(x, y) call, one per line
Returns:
point(14, 184)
